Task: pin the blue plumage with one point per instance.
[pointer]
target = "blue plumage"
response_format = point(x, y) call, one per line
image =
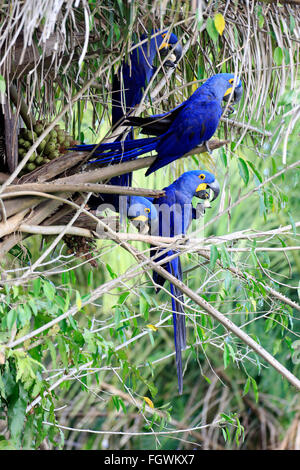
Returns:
point(175, 213)
point(137, 208)
point(185, 127)
point(132, 78)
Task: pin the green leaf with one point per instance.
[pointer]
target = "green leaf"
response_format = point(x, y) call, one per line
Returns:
point(211, 29)
point(113, 275)
point(63, 351)
point(116, 402)
point(255, 171)
point(90, 278)
point(292, 23)
point(214, 255)
point(49, 290)
point(255, 389)
point(226, 355)
point(11, 318)
point(16, 417)
point(225, 257)
point(243, 170)
point(37, 286)
point(123, 297)
point(261, 20)
point(247, 386)
point(223, 157)
point(78, 300)
point(278, 56)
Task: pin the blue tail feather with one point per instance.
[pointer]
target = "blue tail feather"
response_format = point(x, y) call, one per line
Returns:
point(178, 321)
point(115, 152)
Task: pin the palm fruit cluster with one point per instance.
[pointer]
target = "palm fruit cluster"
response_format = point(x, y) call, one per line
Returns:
point(56, 143)
point(81, 247)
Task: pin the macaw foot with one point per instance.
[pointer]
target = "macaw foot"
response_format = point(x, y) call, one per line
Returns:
point(207, 147)
point(230, 110)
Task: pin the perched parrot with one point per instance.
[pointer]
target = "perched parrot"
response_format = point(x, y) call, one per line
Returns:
point(134, 75)
point(178, 131)
point(131, 80)
point(175, 213)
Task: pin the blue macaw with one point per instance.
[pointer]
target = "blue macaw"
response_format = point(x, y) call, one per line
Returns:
point(133, 77)
point(175, 213)
point(178, 131)
point(139, 210)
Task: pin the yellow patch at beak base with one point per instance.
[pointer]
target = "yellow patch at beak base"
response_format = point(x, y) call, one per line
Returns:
point(201, 187)
point(228, 91)
point(163, 44)
point(143, 218)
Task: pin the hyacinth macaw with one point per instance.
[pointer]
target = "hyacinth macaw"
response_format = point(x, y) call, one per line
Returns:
point(139, 210)
point(131, 80)
point(175, 213)
point(178, 131)
point(133, 76)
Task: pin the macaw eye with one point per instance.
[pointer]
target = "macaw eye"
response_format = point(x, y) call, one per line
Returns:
point(147, 210)
point(164, 35)
point(202, 176)
point(231, 81)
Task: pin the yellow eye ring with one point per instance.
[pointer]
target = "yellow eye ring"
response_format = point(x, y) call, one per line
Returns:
point(164, 35)
point(202, 176)
point(231, 80)
point(147, 210)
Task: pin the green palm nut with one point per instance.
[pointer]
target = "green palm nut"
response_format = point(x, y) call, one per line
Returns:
point(50, 147)
point(60, 138)
point(38, 128)
point(30, 166)
point(21, 141)
point(53, 134)
point(39, 160)
point(53, 154)
point(21, 152)
point(33, 157)
point(31, 136)
point(27, 144)
point(42, 145)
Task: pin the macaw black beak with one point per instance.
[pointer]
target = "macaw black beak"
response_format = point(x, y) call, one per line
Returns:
point(215, 187)
point(237, 95)
point(176, 51)
point(203, 194)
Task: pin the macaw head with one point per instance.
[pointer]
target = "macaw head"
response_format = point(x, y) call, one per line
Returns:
point(166, 42)
point(197, 182)
point(140, 211)
point(226, 85)
point(235, 86)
